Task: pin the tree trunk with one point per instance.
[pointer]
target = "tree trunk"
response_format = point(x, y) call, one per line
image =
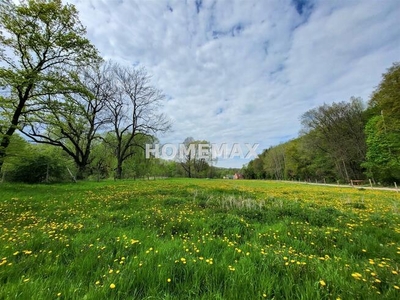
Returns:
point(2, 156)
point(81, 172)
point(118, 171)
point(5, 141)
point(345, 170)
point(190, 170)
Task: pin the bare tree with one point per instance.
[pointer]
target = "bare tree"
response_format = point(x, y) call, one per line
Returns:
point(134, 109)
point(187, 159)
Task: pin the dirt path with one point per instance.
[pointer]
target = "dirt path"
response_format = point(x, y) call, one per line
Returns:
point(348, 186)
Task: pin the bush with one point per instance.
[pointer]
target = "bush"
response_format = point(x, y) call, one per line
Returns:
point(36, 169)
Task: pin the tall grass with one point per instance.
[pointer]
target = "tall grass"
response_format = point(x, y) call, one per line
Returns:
point(198, 239)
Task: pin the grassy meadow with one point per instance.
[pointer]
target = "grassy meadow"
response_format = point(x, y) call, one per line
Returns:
point(198, 239)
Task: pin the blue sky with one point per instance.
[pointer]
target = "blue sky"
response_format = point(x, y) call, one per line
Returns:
point(244, 71)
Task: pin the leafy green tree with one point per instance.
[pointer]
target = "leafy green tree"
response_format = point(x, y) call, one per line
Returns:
point(36, 164)
point(275, 162)
point(16, 151)
point(255, 168)
point(383, 128)
point(313, 162)
point(102, 160)
point(338, 131)
point(39, 39)
point(195, 158)
point(138, 165)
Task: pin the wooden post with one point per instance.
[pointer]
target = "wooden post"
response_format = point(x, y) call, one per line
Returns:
point(72, 175)
point(324, 181)
point(370, 183)
point(395, 185)
point(351, 182)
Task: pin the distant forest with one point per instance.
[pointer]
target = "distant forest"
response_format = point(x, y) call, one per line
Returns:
point(342, 141)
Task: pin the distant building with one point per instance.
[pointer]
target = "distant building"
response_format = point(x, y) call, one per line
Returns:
point(238, 176)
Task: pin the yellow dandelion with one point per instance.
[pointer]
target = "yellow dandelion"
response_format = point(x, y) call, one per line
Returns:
point(322, 283)
point(59, 294)
point(112, 286)
point(396, 287)
point(169, 280)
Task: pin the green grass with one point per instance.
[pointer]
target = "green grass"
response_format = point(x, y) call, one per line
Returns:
point(198, 239)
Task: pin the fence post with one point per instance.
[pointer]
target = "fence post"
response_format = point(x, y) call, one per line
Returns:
point(395, 185)
point(370, 183)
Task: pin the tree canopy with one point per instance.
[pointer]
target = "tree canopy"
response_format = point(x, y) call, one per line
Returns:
point(342, 141)
point(39, 42)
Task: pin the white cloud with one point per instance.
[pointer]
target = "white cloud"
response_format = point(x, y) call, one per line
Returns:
point(245, 71)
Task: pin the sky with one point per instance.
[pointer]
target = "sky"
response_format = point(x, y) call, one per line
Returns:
point(244, 71)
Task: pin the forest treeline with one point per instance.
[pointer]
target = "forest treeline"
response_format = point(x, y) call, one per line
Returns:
point(342, 141)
